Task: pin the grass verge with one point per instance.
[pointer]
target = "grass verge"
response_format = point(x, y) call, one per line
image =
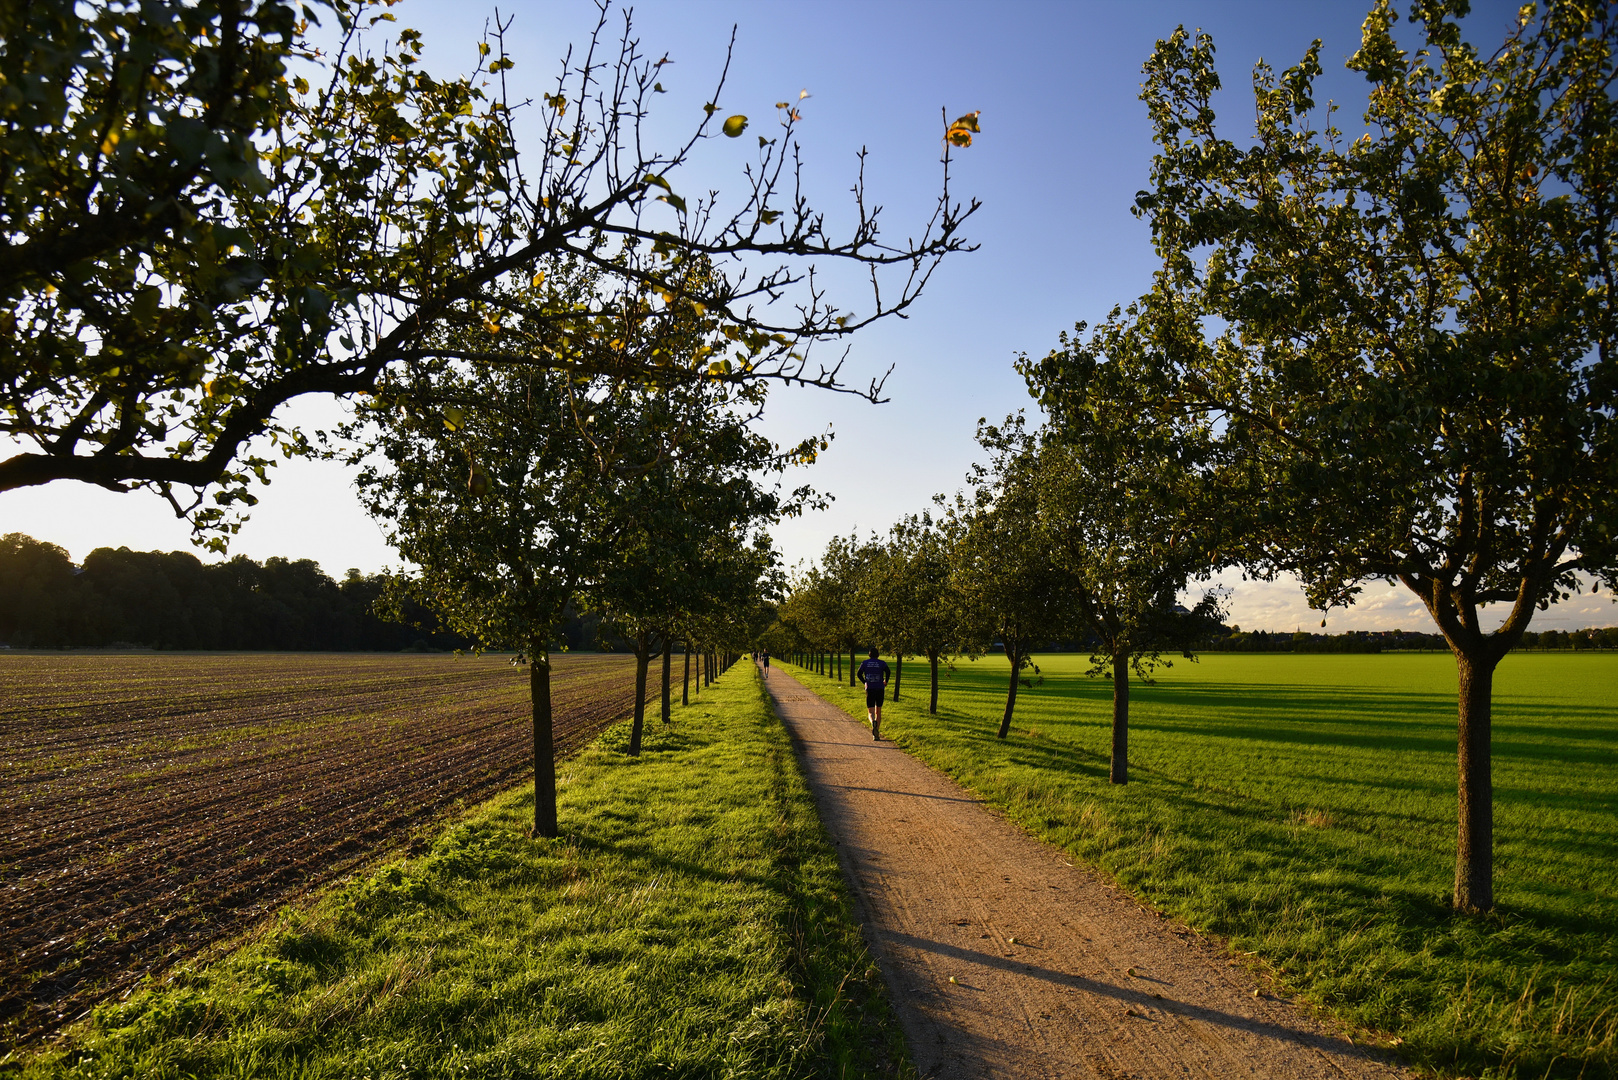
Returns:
point(692, 922)
point(1303, 807)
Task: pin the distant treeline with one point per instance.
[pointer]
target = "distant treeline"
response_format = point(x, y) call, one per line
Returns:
point(1377, 641)
point(1235, 639)
point(173, 600)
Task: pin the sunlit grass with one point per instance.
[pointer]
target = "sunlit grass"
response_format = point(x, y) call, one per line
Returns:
point(691, 922)
point(1304, 807)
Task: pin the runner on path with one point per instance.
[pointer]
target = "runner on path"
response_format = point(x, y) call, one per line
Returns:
point(874, 674)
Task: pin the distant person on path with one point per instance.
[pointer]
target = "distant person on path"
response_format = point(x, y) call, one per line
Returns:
point(874, 674)
point(766, 664)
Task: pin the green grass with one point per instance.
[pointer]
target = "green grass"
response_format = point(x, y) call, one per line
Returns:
point(1304, 808)
point(692, 922)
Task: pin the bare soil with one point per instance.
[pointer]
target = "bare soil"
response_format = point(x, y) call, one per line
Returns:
point(1005, 960)
point(152, 805)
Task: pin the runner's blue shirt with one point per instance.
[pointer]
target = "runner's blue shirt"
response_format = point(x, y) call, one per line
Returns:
point(873, 671)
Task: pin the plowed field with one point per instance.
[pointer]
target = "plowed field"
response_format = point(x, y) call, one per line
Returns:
point(153, 804)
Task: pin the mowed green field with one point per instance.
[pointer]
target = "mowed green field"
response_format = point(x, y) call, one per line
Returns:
point(1304, 807)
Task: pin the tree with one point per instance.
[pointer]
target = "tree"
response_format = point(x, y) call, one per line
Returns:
point(485, 486)
point(1129, 501)
point(195, 233)
point(905, 597)
point(682, 495)
point(683, 489)
point(39, 603)
point(1011, 589)
point(844, 566)
point(1414, 351)
point(935, 607)
point(880, 605)
point(798, 616)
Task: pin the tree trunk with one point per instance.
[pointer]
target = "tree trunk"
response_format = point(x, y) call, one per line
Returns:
point(668, 663)
point(539, 693)
point(685, 684)
point(1120, 718)
point(642, 662)
point(1474, 848)
point(853, 665)
point(1011, 694)
point(898, 672)
point(932, 660)
point(840, 669)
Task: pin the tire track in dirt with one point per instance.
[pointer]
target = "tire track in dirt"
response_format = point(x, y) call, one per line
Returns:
point(153, 805)
point(1004, 960)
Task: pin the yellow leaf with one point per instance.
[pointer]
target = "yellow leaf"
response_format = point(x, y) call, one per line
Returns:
point(539, 279)
point(961, 131)
point(735, 125)
point(491, 325)
point(453, 416)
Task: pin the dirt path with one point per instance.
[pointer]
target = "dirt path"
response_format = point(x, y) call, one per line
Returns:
point(1005, 961)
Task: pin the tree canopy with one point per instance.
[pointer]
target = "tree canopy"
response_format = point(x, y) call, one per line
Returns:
point(208, 216)
point(1012, 592)
point(1408, 335)
point(1131, 504)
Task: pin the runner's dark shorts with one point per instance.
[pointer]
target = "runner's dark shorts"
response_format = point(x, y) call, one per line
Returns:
point(873, 694)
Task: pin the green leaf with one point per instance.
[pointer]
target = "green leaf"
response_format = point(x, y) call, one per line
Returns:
point(144, 308)
point(673, 200)
point(735, 125)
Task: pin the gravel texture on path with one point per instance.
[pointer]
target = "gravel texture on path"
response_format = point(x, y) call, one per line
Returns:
point(1004, 960)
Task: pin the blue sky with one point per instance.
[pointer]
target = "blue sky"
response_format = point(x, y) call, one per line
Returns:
point(1065, 146)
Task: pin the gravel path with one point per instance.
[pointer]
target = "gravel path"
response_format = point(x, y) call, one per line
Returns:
point(1003, 960)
